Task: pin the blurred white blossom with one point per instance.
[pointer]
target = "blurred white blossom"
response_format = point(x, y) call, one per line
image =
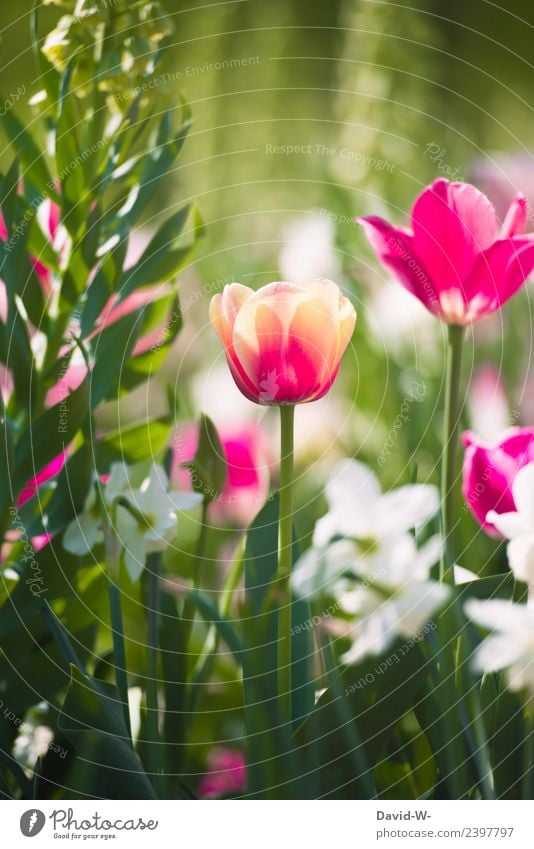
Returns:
point(144, 519)
point(308, 252)
point(518, 527)
point(154, 526)
point(359, 510)
point(510, 647)
point(365, 557)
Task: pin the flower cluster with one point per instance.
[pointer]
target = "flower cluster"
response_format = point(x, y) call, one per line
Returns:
point(364, 554)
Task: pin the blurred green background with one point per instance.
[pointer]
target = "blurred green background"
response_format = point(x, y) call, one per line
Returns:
point(319, 112)
point(380, 79)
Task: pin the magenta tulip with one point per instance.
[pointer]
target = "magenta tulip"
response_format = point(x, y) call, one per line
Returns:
point(455, 259)
point(489, 471)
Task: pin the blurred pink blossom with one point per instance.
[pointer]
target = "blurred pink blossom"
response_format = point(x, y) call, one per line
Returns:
point(226, 774)
point(247, 484)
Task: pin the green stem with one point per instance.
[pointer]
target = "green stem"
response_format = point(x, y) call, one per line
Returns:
point(451, 426)
point(119, 651)
point(285, 560)
point(155, 747)
point(207, 655)
point(188, 613)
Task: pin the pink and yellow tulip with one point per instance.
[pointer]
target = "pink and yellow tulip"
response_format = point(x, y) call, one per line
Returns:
point(283, 343)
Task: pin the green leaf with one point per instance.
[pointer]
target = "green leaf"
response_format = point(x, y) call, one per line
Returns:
point(266, 732)
point(377, 693)
point(211, 614)
point(105, 281)
point(164, 311)
point(72, 163)
point(208, 467)
point(132, 443)
point(112, 348)
point(71, 489)
point(92, 718)
point(35, 168)
point(155, 165)
point(50, 433)
point(46, 71)
point(495, 586)
point(7, 455)
point(35, 669)
point(174, 665)
point(165, 254)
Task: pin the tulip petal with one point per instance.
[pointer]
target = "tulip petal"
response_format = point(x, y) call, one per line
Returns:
point(501, 270)
point(452, 223)
point(395, 249)
point(516, 218)
point(224, 308)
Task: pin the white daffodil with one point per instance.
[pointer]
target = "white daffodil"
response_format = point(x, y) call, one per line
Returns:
point(396, 599)
point(511, 645)
point(151, 523)
point(85, 530)
point(375, 570)
point(518, 527)
point(360, 511)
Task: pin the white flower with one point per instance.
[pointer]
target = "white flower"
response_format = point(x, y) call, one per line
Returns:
point(85, 530)
point(359, 510)
point(154, 526)
point(518, 527)
point(397, 599)
point(150, 525)
point(511, 646)
point(375, 570)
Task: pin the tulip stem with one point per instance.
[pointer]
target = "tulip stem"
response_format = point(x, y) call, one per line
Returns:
point(285, 559)
point(451, 426)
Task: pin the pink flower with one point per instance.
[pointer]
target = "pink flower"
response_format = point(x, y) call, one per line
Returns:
point(455, 259)
point(489, 471)
point(247, 482)
point(283, 343)
point(50, 471)
point(226, 774)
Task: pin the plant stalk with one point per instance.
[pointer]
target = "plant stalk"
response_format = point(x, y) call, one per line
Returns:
point(285, 560)
point(451, 426)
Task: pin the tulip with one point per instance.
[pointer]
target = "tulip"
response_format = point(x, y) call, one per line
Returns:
point(489, 471)
point(455, 259)
point(462, 267)
point(283, 343)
